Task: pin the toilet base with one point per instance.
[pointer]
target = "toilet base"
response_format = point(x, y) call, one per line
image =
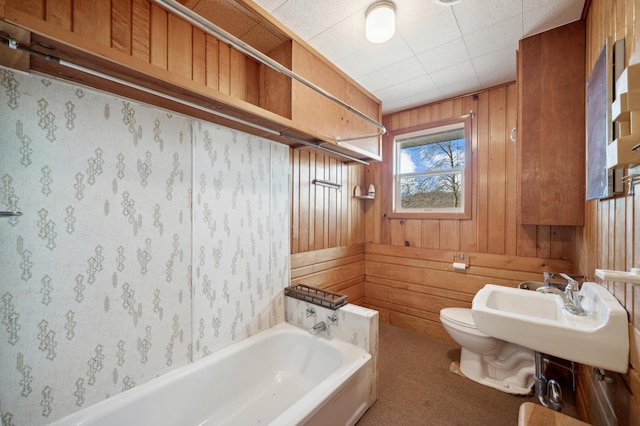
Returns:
point(511, 371)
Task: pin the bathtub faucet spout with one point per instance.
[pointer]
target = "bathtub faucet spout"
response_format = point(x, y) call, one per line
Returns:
point(321, 326)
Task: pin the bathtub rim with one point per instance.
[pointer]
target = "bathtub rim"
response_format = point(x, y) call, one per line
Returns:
point(319, 394)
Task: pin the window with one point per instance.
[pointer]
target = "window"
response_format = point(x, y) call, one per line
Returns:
point(431, 170)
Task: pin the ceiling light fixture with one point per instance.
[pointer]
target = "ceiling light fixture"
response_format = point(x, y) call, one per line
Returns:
point(380, 21)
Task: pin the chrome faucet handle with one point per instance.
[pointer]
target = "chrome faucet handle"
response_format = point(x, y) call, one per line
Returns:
point(572, 285)
point(310, 312)
point(332, 319)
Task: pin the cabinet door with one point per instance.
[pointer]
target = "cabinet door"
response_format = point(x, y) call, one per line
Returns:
point(551, 127)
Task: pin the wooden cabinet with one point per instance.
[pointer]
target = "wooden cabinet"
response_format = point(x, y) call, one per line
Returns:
point(178, 65)
point(551, 127)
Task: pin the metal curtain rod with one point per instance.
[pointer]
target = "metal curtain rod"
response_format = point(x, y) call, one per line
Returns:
point(326, 183)
point(13, 44)
point(209, 27)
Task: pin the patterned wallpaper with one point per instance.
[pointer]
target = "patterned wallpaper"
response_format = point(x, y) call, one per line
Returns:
point(147, 240)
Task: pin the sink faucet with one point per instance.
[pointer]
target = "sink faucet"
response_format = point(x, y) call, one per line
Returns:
point(321, 326)
point(570, 296)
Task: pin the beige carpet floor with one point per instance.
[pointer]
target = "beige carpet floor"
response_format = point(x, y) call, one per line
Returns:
point(415, 387)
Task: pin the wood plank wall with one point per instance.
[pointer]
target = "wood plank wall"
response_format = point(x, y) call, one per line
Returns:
point(409, 276)
point(407, 272)
point(610, 238)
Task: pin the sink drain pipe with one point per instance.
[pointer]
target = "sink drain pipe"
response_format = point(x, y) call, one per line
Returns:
point(548, 391)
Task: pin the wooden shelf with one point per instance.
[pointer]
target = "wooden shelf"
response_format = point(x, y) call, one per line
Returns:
point(365, 197)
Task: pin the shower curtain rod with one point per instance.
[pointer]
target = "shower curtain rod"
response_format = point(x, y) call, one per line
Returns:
point(207, 26)
point(7, 40)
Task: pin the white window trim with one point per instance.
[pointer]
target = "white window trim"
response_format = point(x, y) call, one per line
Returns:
point(461, 212)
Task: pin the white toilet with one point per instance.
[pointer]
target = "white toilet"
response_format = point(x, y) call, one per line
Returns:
point(487, 360)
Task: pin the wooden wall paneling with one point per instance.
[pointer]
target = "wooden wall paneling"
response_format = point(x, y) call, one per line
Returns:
point(253, 82)
point(120, 25)
point(635, 238)
point(89, 21)
point(301, 181)
point(413, 232)
point(339, 269)
point(449, 234)
point(331, 197)
point(237, 74)
point(212, 74)
point(311, 209)
point(296, 200)
point(482, 196)
point(510, 226)
point(344, 198)
point(497, 180)
point(355, 209)
point(301, 260)
point(543, 241)
point(620, 240)
point(31, 7)
point(199, 57)
point(179, 47)
point(59, 13)
point(158, 38)
point(563, 243)
point(140, 30)
point(430, 233)
point(224, 68)
point(275, 94)
point(319, 203)
point(310, 108)
point(375, 222)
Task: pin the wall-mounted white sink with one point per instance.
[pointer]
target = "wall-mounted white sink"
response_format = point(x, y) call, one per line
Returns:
point(541, 322)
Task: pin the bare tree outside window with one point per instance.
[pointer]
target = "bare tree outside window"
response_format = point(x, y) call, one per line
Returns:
point(430, 170)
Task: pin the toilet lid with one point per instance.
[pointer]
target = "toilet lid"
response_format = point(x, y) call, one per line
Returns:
point(460, 316)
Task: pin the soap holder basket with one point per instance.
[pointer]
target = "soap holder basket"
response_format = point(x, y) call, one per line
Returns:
point(317, 296)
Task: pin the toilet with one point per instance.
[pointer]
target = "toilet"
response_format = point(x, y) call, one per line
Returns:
point(484, 359)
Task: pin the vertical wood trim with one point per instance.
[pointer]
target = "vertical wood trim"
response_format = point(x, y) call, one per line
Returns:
point(179, 47)
point(333, 223)
point(312, 203)
point(121, 15)
point(483, 172)
point(296, 203)
point(302, 206)
point(140, 30)
point(237, 74)
point(158, 39)
point(199, 67)
point(212, 61)
point(510, 226)
point(496, 197)
point(430, 233)
point(224, 68)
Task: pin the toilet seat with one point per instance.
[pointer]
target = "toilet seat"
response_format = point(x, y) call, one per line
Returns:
point(461, 318)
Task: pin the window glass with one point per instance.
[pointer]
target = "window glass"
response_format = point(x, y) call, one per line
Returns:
point(429, 172)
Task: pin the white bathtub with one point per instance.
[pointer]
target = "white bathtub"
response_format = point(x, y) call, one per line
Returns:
point(282, 376)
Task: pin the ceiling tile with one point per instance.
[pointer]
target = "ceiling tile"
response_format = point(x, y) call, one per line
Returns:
point(444, 56)
point(473, 16)
point(407, 69)
point(463, 72)
point(497, 37)
point(496, 68)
